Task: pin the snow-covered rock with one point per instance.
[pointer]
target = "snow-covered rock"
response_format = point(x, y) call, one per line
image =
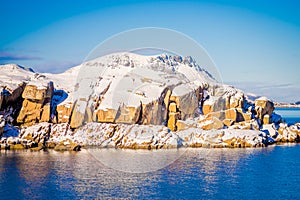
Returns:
point(18, 83)
point(126, 100)
point(157, 136)
point(131, 88)
point(263, 106)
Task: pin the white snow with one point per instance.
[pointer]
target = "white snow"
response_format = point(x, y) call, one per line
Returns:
point(130, 79)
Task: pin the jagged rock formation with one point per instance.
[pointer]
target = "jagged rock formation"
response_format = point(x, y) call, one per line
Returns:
point(171, 97)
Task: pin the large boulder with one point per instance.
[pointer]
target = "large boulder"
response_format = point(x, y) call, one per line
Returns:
point(214, 104)
point(236, 100)
point(210, 123)
point(36, 104)
point(263, 106)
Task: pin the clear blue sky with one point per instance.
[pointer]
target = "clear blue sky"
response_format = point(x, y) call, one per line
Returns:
point(255, 44)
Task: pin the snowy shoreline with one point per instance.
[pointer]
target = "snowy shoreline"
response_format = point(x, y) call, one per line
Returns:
point(104, 135)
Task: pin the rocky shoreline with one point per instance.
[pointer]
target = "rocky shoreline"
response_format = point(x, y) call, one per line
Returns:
point(136, 102)
point(61, 137)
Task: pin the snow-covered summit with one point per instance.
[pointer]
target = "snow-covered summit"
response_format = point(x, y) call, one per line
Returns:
point(163, 62)
point(12, 74)
point(16, 67)
point(116, 82)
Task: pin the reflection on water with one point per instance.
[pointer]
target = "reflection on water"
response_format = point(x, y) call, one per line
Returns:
point(136, 161)
point(197, 173)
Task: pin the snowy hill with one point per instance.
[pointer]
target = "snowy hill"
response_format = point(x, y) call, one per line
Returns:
point(118, 87)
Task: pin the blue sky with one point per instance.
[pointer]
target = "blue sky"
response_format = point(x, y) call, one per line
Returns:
point(255, 44)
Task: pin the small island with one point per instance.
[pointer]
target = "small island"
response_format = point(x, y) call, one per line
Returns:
point(126, 100)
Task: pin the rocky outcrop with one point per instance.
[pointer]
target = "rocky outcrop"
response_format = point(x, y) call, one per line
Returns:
point(36, 104)
point(264, 109)
point(231, 107)
point(9, 96)
point(38, 137)
point(11, 101)
point(223, 138)
point(38, 134)
point(284, 133)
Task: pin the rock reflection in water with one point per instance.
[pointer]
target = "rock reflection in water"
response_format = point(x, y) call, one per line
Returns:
point(136, 161)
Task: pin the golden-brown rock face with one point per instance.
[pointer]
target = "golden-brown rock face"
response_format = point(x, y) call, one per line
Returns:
point(226, 106)
point(210, 123)
point(36, 104)
point(263, 106)
point(106, 115)
point(184, 104)
point(186, 100)
point(173, 117)
point(30, 112)
point(128, 114)
point(231, 114)
point(207, 108)
point(64, 112)
point(36, 93)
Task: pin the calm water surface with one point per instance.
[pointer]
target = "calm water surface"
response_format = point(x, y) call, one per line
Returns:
point(291, 115)
point(272, 173)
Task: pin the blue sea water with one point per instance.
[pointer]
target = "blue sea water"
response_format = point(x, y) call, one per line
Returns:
point(290, 115)
point(255, 173)
point(272, 173)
